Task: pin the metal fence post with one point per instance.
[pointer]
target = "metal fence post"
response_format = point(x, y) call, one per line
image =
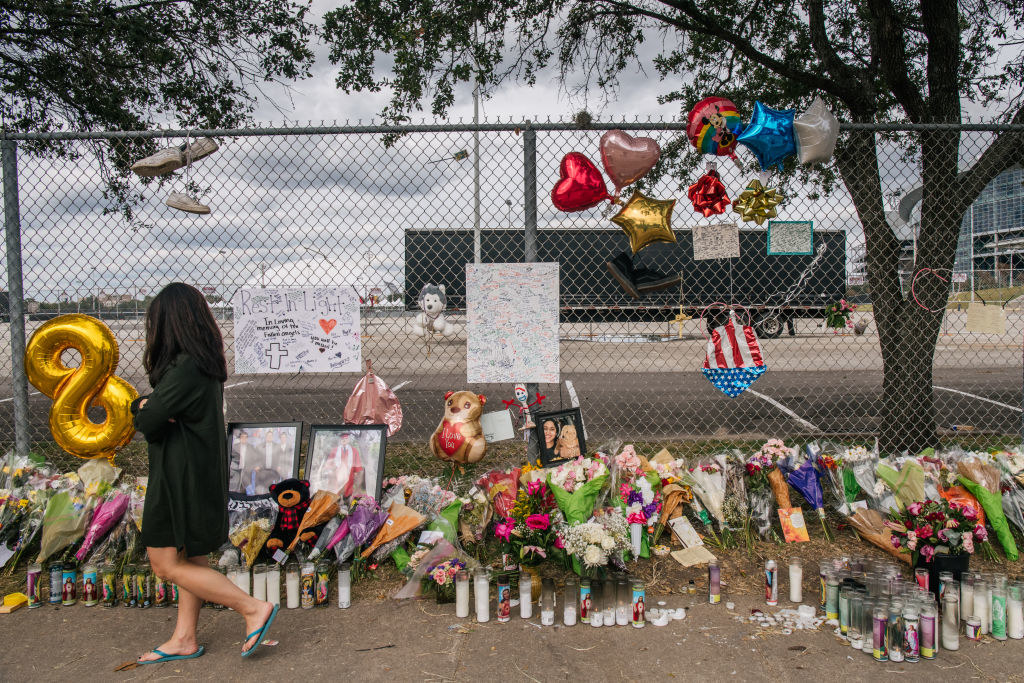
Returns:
point(530, 233)
point(15, 296)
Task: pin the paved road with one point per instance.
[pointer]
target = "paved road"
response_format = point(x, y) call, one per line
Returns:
point(816, 383)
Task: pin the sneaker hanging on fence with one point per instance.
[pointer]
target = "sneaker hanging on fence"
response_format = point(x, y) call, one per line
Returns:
point(182, 202)
point(173, 158)
point(733, 361)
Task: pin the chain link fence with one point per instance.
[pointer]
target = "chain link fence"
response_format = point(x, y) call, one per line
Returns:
point(341, 207)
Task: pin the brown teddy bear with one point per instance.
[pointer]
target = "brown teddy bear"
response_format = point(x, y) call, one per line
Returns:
point(459, 437)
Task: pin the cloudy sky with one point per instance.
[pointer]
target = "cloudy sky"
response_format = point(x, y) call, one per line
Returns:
point(292, 211)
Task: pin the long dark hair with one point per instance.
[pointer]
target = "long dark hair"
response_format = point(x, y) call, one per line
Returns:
point(179, 321)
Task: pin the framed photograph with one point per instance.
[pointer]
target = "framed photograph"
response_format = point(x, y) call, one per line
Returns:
point(346, 459)
point(560, 435)
point(261, 454)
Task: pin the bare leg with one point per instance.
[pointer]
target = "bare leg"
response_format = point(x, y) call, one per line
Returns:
point(198, 582)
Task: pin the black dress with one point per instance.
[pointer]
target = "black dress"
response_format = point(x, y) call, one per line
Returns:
point(187, 492)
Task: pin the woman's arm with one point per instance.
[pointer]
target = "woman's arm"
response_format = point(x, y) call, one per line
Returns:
point(177, 390)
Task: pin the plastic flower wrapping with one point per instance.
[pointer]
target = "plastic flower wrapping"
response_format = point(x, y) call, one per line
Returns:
point(981, 478)
point(443, 561)
point(530, 530)
point(575, 473)
point(707, 479)
point(249, 527)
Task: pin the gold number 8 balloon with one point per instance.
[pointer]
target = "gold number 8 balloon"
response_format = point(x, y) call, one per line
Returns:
point(74, 390)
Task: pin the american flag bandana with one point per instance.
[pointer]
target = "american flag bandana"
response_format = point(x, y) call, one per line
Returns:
point(734, 360)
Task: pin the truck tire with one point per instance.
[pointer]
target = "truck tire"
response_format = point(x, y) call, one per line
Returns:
point(769, 326)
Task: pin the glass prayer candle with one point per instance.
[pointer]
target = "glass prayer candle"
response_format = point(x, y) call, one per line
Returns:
point(504, 598)
point(880, 634)
point(771, 583)
point(921, 576)
point(291, 579)
point(345, 588)
point(235, 575)
point(69, 584)
point(461, 593)
point(950, 623)
point(526, 595)
point(90, 585)
point(108, 583)
point(259, 581)
point(57, 580)
point(596, 610)
point(823, 568)
point(911, 634)
point(832, 595)
point(547, 602)
point(844, 611)
point(895, 636)
point(866, 625)
point(929, 630)
point(586, 600)
point(570, 598)
point(1015, 610)
point(945, 578)
point(853, 632)
point(274, 584)
point(714, 582)
point(966, 596)
point(980, 603)
point(999, 612)
point(481, 589)
point(307, 585)
point(623, 603)
point(796, 578)
point(639, 604)
point(323, 583)
point(987, 621)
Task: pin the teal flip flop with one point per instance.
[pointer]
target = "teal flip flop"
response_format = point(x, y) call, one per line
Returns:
point(259, 633)
point(164, 657)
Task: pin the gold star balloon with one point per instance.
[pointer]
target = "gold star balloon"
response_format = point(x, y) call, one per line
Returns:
point(757, 203)
point(646, 220)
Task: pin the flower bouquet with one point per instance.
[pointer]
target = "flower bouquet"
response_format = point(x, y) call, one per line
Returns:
point(435, 571)
point(529, 531)
point(576, 484)
point(594, 543)
point(837, 471)
point(707, 480)
point(807, 481)
point(67, 514)
point(862, 463)
point(107, 514)
point(363, 521)
point(837, 315)
point(501, 488)
point(474, 517)
point(639, 497)
point(928, 527)
point(907, 483)
point(982, 480)
point(764, 476)
point(249, 529)
point(28, 527)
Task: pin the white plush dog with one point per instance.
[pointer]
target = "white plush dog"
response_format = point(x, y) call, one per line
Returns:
point(431, 318)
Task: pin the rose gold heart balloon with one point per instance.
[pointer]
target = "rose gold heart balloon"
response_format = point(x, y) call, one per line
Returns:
point(627, 159)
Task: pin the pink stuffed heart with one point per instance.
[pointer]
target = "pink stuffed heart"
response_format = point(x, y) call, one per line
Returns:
point(627, 159)
point(580, 185)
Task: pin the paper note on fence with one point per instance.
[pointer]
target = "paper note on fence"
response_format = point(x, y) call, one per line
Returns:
point(720, 240)
point(512, 323)
point(790, 237)
point(984, 319)
point(497, 426)
point(297, 330)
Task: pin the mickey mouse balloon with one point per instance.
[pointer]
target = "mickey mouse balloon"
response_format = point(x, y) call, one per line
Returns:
point(713, 125)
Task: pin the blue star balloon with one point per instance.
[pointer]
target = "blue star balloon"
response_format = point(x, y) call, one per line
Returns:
point(733, 381)
point(769, 135)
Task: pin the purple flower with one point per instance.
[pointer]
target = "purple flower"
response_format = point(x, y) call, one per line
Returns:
point(634, 497)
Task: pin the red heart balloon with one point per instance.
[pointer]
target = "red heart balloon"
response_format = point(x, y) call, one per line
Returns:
point(580, 185)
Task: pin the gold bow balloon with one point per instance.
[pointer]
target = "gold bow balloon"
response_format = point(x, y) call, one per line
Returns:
point(74, 390)
point(646, 220)
point(757, 203)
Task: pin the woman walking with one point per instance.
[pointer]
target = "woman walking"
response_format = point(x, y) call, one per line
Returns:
point(185, 515)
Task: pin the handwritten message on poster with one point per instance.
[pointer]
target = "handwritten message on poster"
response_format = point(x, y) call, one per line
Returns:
point(790, 237)
point(719, 240)
point(297, 330)
point(512, 322)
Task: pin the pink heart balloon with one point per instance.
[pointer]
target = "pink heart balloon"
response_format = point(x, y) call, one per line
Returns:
point(627, 159)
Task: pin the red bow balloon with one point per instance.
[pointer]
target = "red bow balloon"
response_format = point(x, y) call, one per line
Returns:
point(708, 194)
point(580, 185)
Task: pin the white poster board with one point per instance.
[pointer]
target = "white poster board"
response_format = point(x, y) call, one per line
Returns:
point(715, 241)
point(788, 238)
point(512, 323)
point(297, 330)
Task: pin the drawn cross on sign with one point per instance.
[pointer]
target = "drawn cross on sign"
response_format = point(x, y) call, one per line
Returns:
point(275, 353)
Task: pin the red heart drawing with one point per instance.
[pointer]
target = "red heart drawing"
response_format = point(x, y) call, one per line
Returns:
point(627, 159)
point(580, 185)
point(450, 438)
point(328, 325)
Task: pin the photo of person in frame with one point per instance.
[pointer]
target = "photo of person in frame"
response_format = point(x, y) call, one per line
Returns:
point(346, 459)
point(560, 436)
point(262, 455)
